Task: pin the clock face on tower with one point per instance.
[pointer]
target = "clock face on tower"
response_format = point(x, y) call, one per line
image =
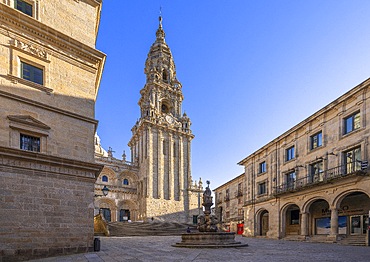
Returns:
point(169, 119)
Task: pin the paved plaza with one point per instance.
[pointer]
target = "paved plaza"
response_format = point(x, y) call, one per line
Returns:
point(158, 248)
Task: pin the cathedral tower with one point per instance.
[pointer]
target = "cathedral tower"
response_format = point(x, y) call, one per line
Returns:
point(161, 139)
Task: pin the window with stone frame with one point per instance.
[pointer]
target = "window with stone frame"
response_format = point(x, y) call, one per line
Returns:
point(352, 160)
point(25, 7)
point(104, 178)
point(290, 179)
point(262, 188)
point(262, 167)
point(289, 153)
point(125, 182)
point(316, 140)
point(352, 122)
point(32, 73)
point(29, 143)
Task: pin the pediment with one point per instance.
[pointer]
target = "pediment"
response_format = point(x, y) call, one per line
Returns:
point(28, 120)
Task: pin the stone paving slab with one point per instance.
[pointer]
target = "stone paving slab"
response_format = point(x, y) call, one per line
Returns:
point(158, 248)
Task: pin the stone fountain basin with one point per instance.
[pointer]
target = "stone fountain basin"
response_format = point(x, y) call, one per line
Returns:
point(209, 240)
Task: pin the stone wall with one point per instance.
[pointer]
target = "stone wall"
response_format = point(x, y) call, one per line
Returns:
point(46, 202)
point(46, 205)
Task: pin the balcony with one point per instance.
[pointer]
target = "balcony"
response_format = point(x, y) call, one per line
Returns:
point(227, 198)
point(322, 178)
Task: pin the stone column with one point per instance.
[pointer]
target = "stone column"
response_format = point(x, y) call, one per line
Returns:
point(181, 168)
point(334, 223)
point(160, 164)
point(171, 158)
point(304, 224)
point(117, 214)
point(149, 175)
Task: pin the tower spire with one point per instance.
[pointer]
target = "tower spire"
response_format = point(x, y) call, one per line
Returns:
point(160, 17)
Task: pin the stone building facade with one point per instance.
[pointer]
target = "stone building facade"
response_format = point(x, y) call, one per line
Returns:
point(159, 174)
point(50, 75)
point(229, 202)
point(313, 180)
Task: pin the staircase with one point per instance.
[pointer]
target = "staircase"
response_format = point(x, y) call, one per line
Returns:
point(120, 229)
point(354, 240)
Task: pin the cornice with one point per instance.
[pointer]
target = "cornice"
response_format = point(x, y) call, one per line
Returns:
point(32, 163)
point(163, 128)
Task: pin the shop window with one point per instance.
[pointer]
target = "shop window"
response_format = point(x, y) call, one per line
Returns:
point(290, 153)
point(316, 140)
point(104, 179)
point(29, 143)
point(352, 123)
point(294, 217)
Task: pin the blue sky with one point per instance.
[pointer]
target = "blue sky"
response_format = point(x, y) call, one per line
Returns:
point(250, 70)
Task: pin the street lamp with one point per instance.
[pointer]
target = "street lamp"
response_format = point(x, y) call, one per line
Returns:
point(105, 190)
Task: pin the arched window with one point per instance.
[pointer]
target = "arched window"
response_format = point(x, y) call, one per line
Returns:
point(125, 182)
point(164, 75)
point(164, 108)
point(104, 179)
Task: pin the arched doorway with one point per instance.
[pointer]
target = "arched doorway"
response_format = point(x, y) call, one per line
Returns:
point(264, 223)
point(353, 214)
point(292, 220)
point(319, 222)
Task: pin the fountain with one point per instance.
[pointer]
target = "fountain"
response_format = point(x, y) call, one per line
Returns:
point(208, 235)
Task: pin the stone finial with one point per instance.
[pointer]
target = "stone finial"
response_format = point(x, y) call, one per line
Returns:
point(110, 152)
point(124, 156)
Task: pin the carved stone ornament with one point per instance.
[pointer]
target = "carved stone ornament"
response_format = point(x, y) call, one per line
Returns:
point(29, 48)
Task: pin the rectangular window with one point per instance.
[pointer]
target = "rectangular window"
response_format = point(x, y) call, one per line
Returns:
point(352, 123)
point(290, 153)
point(294, 217)
point(316, 172)
point(30, 143)
point(262, 167)
point(24, 7)
point(227, 214)
point(240, 212)
point(32, 73)
point(352, 160)
point(316, 140)
point(227, 195)
point(262, 188)
point(290, 180)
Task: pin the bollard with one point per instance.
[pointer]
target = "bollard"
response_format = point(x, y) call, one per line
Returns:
point(96, 244)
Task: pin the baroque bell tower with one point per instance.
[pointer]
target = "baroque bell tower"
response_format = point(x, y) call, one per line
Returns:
point(161, 139)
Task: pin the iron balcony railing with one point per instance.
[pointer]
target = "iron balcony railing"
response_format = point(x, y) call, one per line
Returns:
point(238, 193)
point(322, 177)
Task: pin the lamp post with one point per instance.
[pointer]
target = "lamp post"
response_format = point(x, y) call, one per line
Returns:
point(105, 190)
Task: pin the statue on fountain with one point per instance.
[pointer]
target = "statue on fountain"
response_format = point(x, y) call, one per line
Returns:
point(207, 222)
